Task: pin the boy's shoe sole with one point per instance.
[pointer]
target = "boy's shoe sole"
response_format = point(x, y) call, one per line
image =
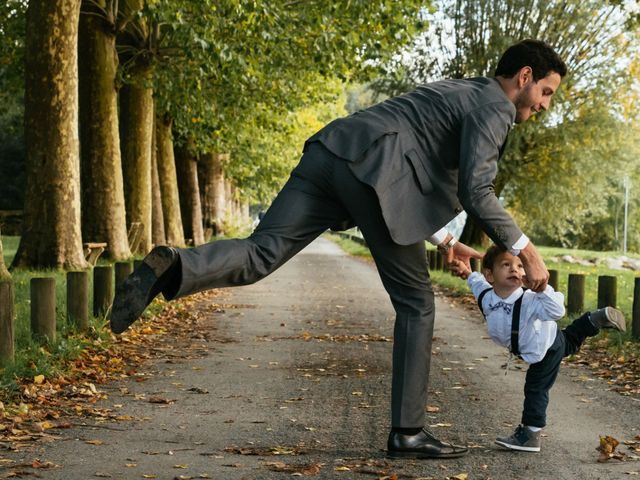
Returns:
point(519, 448)
point(616, 319)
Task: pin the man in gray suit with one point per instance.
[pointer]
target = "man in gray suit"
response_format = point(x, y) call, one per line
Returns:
point(400, 171)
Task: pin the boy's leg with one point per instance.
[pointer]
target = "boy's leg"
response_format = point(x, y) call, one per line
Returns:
point(576, 333)
point(539, 379)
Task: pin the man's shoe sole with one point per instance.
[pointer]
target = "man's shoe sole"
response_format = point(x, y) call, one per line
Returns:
point(135, 293)
point(420, 455)
point(132, 297)
point(520, 448)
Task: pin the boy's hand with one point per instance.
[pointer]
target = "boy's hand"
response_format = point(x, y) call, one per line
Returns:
point(459, 269)
point(458, 259)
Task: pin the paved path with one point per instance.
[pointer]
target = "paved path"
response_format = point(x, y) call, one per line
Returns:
point(274, 387)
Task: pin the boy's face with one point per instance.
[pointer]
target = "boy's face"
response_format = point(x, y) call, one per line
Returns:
point(507, 272)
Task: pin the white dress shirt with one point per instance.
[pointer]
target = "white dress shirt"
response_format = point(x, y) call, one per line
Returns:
point(538, 315)
point(438, 237)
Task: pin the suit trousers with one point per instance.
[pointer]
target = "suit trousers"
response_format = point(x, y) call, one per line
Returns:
point(542, 375)
point(322, 192)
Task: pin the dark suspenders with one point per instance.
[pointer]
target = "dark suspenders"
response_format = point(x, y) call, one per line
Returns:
point(515, 319)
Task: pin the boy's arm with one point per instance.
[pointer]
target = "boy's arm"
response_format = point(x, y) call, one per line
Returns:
point(549, 304)
point(477, 283)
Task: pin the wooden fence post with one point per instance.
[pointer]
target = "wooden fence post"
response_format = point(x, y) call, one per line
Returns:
point(78, 299)
point(43, 309)
point(6, 322)
point(102, 289)
point(475, 264)
point(575, 293)
point(439, 261)
point(553, 279)
point(123, 270)
point(635, 321)
point(607, 290)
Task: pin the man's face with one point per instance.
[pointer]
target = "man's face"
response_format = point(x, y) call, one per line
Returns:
point(507, 272)
point(534, 96)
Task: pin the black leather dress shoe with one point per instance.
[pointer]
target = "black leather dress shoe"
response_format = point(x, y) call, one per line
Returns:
point(421, 445)
point(142, 286)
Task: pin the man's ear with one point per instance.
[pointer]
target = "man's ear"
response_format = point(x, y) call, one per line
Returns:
point(524, 76)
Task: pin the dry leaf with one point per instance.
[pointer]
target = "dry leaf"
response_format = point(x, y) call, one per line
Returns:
point(94, 442)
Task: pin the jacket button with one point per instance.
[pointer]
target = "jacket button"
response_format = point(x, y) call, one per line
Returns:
point(457, 210)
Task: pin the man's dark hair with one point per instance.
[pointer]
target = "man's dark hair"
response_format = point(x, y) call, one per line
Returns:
point(490, 257)
point(531, 53)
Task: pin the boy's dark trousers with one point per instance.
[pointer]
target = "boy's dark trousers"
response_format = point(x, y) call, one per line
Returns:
point(542, 375)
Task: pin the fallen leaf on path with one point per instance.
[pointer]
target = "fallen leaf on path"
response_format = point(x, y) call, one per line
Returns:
point(432, 409)
point(607, 449)
point(94, 442)
point(161, 400)
point(460, 476)
point(306, 470)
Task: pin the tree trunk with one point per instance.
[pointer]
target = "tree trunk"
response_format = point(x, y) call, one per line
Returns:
point(189, 195)
point(103, 213)
point(52, 220)
point(136, 130)
point(157, 218)
point(4, 273)
point(211, 176)
point(168, 182)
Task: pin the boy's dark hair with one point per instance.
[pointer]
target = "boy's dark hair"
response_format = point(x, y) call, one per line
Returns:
point(532, 53)
point(490, 257)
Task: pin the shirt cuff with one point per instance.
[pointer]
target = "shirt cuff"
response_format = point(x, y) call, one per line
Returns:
point(522, 242)
point(438, 237)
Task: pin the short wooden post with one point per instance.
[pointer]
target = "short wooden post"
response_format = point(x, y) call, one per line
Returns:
point(553, 279)
point(475, 264)
point(123, 270)
point(43, 309)
point(78, 299)
point(575, 293)
point(439, 261)
point(6, 322)
point(607, 290)
point(102, 289)
point(635, 321)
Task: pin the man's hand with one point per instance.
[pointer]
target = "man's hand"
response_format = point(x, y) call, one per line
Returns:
point(535, 270)
point(458, 259)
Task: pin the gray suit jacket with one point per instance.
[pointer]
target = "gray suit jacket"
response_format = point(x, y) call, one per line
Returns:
point(430, 153)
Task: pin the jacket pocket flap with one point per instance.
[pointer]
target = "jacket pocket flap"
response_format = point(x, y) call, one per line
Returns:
point(421, 175)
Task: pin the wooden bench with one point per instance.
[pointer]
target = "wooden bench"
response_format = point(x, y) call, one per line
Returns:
point(92, 252)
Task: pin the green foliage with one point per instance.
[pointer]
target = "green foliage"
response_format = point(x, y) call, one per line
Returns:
point(561, 171)
point(238, 70)
point(12, 152)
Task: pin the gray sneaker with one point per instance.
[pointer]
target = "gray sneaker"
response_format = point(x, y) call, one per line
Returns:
point(523, 439)
point(609, 317)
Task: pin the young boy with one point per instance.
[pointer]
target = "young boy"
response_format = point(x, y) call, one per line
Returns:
point(525, 322)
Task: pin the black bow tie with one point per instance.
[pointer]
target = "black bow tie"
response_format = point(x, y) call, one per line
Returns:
point(507, 307)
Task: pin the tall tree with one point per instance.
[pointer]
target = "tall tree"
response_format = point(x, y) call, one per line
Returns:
point(51, 231)
point(137, 120)
point(168, 181)
point(466, 38)
point(103, 210)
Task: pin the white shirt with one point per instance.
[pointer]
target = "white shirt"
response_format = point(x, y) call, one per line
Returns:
point(538, 315)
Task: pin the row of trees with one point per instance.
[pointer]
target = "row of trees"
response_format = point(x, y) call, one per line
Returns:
point(123, 97)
